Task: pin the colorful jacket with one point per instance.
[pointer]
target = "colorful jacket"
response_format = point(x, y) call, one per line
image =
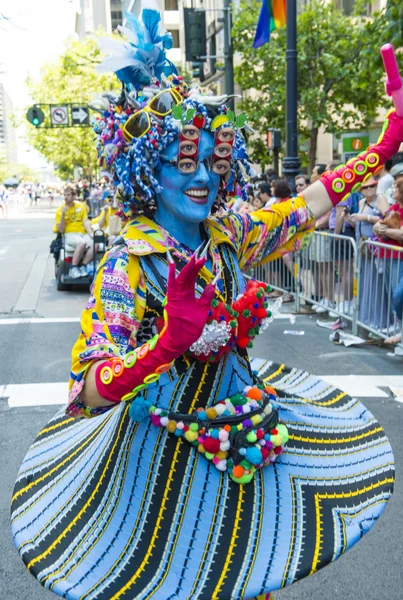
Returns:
point(113, 315)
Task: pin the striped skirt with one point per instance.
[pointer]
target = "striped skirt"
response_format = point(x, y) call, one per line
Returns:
point(109, 509)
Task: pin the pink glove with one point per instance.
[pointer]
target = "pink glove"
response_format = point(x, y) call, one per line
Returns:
point(185, 317)
point(346, 179)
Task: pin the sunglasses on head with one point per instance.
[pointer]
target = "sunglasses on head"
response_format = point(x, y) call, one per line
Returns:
point(161, 105)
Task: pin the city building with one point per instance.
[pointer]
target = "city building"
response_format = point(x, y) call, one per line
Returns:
point(8, 138)
point(91, 14)
point(110, 13)
point(172, 20)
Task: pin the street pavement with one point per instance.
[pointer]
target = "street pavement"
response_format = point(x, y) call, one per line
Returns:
point(38, 327)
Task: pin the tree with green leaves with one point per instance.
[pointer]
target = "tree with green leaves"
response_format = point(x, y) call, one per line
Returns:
point(340, 73)
point(70, 79)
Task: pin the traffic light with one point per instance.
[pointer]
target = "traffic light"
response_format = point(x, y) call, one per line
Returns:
point(35, 116)
point(273, 139)
point(195, 34)
point(197, 70)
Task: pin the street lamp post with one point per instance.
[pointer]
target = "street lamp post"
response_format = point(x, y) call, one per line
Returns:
point(291, 163)
point(228, 52)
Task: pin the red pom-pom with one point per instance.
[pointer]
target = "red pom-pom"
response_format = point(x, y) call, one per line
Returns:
point(260, 434)
point(265, 453)
point(243, 342)
point(274, 432)
point(261, 313)
point(277, 450)
point(211, 445)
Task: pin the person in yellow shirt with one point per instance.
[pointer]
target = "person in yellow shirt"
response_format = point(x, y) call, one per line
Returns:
point(72, 221)
point(108, 221)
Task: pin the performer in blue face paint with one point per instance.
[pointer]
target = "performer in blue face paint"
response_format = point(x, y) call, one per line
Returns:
point(199, 475)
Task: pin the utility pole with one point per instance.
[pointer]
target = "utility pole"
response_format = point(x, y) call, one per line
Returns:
point(291, 163)
point(228, 53)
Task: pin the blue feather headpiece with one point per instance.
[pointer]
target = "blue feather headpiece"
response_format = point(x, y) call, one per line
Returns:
point(141, 60)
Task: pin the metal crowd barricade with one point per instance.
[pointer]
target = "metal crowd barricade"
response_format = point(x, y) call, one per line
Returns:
point(279, 273)
point(379, 276)
point(355, 283)
point(326, 275)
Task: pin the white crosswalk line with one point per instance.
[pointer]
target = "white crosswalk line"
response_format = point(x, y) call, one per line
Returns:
point(364, 386)
point(3, 252)
point(34, 394)
point(46, 394)
point(38, 321)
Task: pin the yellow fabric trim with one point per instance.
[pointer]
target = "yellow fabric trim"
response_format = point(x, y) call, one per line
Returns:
point(146, 230)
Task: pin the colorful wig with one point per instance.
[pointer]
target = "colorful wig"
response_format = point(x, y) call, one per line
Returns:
point(141, 65)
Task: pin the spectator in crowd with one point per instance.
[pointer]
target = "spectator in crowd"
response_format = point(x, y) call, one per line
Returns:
point(282, 268)
point(330, 253)
point(264, 194)
point(301, 183)
point(250, 193)
point(4, 200)
point(386, 181)
point(342, 250)
point(397, 171)
point(320, 255)
point(373, 306)
point(71, 220)
point(270, 174)
point(108, 221)
point(317, 171)
point(257, 203)
point(390, 231)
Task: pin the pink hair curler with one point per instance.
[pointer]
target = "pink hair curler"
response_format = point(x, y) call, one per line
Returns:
point(394, 84)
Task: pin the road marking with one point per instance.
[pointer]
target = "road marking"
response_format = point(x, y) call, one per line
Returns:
point(34, 394)
point(364, 386)
point(47, 394)
point(38, 321)
point(28, 299)
point(3, 252)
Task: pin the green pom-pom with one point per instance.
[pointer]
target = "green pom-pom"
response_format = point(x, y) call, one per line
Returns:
point(194, 427)
point(247, 478)
point(232, 323)
point(265, 304)
point(259, 295)
point(283, 431)
point(238, 400)
point(250, 345)
point(246, 313)
point(214, 303)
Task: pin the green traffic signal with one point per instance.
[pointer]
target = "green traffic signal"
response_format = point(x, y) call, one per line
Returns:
point(35, 116)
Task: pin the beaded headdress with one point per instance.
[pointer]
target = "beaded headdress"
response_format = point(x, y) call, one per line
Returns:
point(134, 129)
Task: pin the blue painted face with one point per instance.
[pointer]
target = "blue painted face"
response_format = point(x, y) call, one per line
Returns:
point(187, 198)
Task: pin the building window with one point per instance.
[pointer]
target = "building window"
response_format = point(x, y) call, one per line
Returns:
point(116, 18)
point(171, 4)
point(175, 37)
point(347, 6)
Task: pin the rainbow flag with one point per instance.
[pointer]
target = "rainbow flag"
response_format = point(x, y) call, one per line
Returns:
point(272, 16)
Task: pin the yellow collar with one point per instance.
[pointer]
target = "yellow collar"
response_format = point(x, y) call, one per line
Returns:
point(143, 236)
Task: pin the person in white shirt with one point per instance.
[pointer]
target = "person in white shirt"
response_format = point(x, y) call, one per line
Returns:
point(386, 181)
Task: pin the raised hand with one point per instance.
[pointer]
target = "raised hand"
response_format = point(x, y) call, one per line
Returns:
point(187, 314)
